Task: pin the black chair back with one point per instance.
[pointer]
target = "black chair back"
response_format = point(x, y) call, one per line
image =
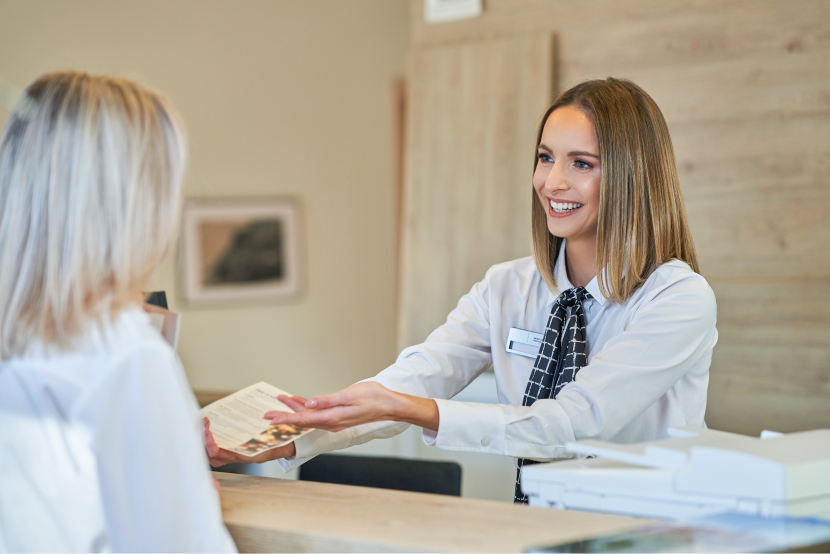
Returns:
point(384, 473)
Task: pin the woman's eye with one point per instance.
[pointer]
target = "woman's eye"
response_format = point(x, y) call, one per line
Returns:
point(544, 157)
point(580, 164)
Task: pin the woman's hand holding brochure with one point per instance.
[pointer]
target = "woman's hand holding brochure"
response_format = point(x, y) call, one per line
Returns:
point(241, 432)
point(218, 456)
point(237, 431)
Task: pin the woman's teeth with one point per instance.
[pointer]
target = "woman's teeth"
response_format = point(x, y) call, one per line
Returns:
point(561, 207)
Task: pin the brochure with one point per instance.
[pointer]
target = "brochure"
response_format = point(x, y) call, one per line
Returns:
point(237, 424)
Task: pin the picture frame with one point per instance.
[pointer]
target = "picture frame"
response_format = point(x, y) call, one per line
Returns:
point(240, 251)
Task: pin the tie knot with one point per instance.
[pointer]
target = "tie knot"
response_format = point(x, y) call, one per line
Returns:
point(572, 297)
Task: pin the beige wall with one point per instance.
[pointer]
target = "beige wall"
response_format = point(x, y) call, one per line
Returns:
point(280, 98)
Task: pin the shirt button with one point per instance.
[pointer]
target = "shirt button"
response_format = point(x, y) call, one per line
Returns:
point(485, 441)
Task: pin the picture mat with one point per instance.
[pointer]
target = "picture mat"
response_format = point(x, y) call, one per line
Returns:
point(237, 423)
point(196, 215)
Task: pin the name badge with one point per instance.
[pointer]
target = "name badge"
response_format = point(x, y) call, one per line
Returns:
point(524, 343)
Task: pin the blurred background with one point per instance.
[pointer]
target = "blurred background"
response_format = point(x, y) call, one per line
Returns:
point(408, 145)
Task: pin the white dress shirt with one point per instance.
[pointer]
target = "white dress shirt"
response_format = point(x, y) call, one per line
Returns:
point(101, 449)
point(648, 367)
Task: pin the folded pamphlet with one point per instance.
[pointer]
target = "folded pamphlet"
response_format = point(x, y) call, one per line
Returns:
point(237, 423)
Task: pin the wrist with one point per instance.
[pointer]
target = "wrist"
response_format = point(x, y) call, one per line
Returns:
point(422, 412)
point(401, 407)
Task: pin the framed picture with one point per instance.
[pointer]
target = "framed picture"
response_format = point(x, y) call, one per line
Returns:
point(240, 251)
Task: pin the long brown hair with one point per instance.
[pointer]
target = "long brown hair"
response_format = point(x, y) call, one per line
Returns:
point(642, 222)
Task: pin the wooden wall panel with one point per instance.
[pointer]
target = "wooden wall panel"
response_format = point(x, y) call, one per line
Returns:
point(745, 88)
point(770, 367)
point(757, 195)
point(473, 110)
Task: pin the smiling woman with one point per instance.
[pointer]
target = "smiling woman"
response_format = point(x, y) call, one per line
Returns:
point(568, 190)
point(611, 302)
point(627, 151)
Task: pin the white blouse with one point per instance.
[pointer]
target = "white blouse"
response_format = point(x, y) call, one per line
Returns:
point(648, 367)
point(101, 450)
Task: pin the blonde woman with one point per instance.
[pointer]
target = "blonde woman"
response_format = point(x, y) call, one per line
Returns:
point(621, 324)
point(100, 448)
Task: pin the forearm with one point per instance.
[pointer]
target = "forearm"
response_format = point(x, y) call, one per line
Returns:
point(422, 412)
point(538, 432)
point(363, 403)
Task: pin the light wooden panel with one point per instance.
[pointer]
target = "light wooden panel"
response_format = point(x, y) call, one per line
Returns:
point(473, 112)
point(757, 195)
point(641, 31)
point(745, 88)
point(770, 368)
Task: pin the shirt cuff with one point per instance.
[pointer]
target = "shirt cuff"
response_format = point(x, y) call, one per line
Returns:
point(469, 426)
point(320, 442)
point(287, 464)
point(313, 443)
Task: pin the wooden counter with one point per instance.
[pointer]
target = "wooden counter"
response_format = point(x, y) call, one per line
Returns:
point(280, 515)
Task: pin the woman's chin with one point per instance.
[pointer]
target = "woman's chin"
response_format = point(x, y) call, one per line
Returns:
point(567, 228)
point(561, 231)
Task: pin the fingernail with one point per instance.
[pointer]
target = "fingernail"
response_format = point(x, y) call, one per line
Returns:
point(311, 403)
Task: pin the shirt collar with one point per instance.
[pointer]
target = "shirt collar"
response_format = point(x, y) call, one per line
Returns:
point(560, 276)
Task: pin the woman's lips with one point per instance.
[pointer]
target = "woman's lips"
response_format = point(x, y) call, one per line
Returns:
point(565, 206)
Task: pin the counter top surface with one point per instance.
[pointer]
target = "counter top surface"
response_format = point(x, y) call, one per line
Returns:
point(281, 515)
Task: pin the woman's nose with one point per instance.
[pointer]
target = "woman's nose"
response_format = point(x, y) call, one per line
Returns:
point(556, 181)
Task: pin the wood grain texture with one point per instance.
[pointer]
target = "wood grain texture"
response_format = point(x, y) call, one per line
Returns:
point(745, 88)
point(280, 515)
point(473, 111)
point(769, 370)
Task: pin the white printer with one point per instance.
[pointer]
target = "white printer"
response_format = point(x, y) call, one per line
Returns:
point(695, 473)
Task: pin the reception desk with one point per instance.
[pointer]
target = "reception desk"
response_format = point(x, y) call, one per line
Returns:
point(280, 515)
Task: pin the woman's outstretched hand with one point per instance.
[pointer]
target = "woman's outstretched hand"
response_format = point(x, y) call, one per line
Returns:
point(356, 405)
point(219, 456)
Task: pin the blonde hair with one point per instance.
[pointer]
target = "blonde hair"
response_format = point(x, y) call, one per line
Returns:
point(90, 191)
point(642, 222)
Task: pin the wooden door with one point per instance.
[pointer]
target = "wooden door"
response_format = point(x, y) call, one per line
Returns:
point(474, 108)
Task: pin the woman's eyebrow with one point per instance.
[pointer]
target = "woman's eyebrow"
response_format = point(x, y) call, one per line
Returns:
point(545, 148)
point(579, 153)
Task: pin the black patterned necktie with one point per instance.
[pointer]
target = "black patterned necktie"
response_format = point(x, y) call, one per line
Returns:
point(563, 353)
